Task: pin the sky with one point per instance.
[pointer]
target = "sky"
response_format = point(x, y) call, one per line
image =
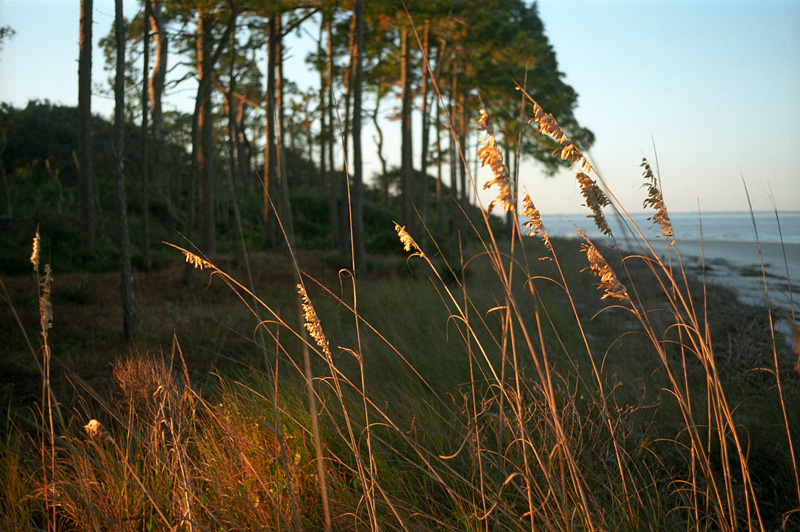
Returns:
point(712, 87)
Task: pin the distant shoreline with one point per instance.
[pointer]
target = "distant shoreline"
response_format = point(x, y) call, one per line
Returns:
point(745, 255)
point(736, 265)
point(734, 228)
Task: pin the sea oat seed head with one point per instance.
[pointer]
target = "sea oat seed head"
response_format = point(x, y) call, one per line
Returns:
point(312, 323)
point(35, 254)
point(45, 306)
point(656, 200)
point(572, 153)
point(198, 262)
point(546, 124)
point(490, 156)
point(97, 431)
point(597, 264)
point(406, 239)
point(596, 199)
point(93, 428)
point(534, 222)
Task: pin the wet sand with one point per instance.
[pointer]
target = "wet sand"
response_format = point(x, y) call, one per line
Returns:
point(745, 257)
point(737, 265)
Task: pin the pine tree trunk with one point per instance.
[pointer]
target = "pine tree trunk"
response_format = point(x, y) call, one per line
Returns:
point(323, 168)
point(407, 161)
point(158, 76)
point(156, 89)
point(425, 132)
point(233, 149)
point(205, 163)
point(128, 302)
point(345, 212)
point(462, 141)
point(191, 216)
point(285, 207)
point(455, 162)
point(270, 155)
point(329, 142)
point(85, 164)
point(243, 149)
point(439, 202)
point(381, 158)
point(146, 264)
point(359, 251)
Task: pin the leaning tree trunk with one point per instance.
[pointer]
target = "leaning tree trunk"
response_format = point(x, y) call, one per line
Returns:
point(128, 303)
point(85, 166)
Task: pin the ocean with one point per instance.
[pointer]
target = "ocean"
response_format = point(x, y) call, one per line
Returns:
point(725, 243)
point(726, 227)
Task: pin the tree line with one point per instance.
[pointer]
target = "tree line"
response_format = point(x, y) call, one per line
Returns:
point(254, 132)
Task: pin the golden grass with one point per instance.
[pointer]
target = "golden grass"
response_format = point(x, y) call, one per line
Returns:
point(533, 434)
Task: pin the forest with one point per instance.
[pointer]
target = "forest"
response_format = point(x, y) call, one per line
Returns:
point(244, 140)
point(231, 325)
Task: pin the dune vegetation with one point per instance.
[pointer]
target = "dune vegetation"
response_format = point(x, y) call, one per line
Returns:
point(515, 383)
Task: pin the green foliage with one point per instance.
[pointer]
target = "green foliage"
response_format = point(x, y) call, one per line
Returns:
point(40, 167)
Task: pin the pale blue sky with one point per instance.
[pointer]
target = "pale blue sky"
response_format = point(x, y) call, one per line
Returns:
point(715, 83)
